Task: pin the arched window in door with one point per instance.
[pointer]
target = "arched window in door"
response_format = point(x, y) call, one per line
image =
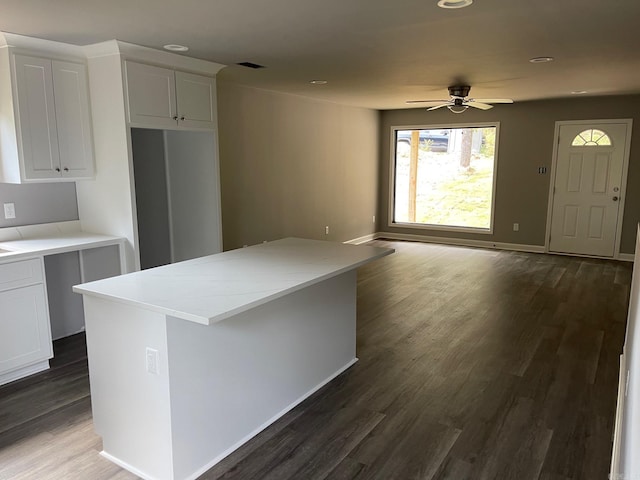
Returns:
point(591, 138)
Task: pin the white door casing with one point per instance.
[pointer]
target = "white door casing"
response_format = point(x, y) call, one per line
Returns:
point(587, 190)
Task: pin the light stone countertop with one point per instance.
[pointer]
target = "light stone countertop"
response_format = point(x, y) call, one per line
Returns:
point(209, 289)
point(34, 240)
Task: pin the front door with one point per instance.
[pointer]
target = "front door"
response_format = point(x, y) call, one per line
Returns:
point(588, 188)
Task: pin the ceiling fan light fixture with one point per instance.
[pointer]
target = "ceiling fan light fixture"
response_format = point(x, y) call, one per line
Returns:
point(578, 92)
point(458, 108)
point(454, 3)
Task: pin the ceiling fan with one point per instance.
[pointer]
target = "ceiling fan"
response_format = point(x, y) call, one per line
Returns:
point(460, 100)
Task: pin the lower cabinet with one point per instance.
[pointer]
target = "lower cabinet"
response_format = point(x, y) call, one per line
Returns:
point(37, 304)
point(25, 336)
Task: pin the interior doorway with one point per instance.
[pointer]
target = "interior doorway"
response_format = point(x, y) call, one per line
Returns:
point(588, 187)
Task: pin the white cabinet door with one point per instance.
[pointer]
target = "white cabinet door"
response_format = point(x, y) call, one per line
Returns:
point(54, 119)
point(73, 119)
point(37, 130)
point(163, 98)
point(24, 328)
point(151, 95)
point(196, 100)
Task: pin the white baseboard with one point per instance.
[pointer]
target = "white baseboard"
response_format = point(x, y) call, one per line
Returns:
point(517, 247)
point(24, 372)
point(619, 424)
point(126, 466)
point(461, 242)
point(360, 240)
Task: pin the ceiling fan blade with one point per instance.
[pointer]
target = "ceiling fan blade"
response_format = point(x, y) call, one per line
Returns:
point(481, 106)
point(426, 101)
point(439, 106)
point(493, 100)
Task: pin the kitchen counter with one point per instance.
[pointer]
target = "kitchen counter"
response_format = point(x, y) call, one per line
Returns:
point(189, 361)
point(36, 301)
point(50, 239)
point(209, 289)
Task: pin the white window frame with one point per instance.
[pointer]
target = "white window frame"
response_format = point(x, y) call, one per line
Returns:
point(392, 178)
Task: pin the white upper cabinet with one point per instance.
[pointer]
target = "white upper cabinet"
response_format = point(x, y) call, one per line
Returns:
point(75, 140)
point(37, 116)
point(163, 98)
point(47, 133)
point(196, 100)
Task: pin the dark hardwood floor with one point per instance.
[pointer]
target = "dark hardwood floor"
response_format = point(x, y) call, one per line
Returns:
point(474, 364)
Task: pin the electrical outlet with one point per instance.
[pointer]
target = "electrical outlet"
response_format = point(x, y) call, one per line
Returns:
point(152, 361)
point(326, 230)
point(9, 210)
point(516, 227)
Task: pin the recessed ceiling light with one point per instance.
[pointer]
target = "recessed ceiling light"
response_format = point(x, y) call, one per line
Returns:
point(579, 92)
point(318, 82)
point(454, 3)
point(173, 47)
point(541, 59)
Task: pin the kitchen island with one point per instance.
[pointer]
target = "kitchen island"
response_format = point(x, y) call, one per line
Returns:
point(189, 361)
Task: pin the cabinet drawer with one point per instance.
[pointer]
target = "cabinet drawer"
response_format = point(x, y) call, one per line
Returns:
point(21, 273)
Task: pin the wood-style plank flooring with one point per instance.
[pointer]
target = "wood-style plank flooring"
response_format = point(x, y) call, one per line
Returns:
point(474, 364)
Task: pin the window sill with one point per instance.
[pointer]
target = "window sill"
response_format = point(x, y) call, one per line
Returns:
point(442, 228)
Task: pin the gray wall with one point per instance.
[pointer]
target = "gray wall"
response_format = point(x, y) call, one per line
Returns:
point(194, 194)
point(177, 195)
point(152, 203)
point(526, 142)
point(39, 203)
point(291, 166)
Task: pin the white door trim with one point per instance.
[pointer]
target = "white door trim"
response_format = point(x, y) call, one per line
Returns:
point(623, 186)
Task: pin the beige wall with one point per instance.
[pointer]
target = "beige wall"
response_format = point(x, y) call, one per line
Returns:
point(526, 142)
point(289, 166)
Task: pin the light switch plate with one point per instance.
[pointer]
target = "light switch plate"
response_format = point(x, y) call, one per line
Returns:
point(9, 211)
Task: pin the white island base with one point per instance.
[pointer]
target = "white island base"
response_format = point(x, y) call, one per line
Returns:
point(216, 385)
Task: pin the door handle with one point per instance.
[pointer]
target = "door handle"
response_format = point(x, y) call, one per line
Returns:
point(615, 199)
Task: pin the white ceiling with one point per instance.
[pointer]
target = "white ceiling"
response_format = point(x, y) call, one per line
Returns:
point(373, 53)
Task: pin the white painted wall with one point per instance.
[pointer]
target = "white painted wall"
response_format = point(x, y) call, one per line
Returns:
point(106, 204)
point(628, 467)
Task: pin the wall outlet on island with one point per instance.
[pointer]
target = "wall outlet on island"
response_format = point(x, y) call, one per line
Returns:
point(152, 361)
point(9, 211)
point(326, 230)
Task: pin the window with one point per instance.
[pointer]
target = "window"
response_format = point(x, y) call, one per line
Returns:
point(444, 178)
point(591, 138)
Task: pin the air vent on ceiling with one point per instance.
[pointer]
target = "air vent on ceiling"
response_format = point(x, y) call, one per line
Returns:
point(250, 65)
